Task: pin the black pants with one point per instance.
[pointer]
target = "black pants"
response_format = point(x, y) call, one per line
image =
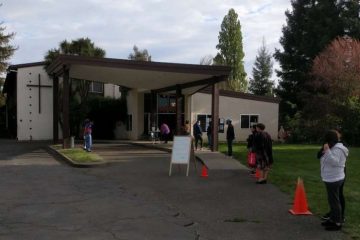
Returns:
point(197, 139)
point(165, 137)
point(336, 200)
point(229, 143)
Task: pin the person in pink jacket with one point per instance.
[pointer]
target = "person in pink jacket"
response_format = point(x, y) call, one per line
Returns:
point(164, 131)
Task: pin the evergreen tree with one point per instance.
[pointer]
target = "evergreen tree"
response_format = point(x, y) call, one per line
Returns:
point(6, 50)
point(231, 51)
point(261, 84)
point(350, 17)
point(139, 55)
point(311, 25)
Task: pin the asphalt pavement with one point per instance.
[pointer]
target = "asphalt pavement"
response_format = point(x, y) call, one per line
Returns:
point(133, 197)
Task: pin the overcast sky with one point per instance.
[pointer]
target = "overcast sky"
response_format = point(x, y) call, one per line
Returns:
point(179, 31)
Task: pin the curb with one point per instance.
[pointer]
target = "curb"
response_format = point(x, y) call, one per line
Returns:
point(69, 161)
point(152, 147)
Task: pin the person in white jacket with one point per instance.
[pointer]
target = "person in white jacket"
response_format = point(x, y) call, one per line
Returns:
point(332, 162)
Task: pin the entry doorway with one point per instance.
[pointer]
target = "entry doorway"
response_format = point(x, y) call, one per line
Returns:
point(160, 118)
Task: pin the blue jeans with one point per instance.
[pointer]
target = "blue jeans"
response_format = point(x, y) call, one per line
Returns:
point(209, 140)
point(88, 142)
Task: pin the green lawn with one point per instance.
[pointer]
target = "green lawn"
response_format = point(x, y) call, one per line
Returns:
point(78, 155)
point(293, 161)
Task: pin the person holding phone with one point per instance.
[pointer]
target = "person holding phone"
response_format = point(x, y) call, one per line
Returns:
point(333, 155)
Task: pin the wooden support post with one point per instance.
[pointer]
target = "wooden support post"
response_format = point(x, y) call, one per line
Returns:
point(178, 109)
point(66, 110)
point(55, 109)
point(153, 110)
point(215, 117)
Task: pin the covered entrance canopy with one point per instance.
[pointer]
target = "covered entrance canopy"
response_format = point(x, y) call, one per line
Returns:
point(155, 77)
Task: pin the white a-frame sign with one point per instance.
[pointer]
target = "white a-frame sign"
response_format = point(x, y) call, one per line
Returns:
point(181, 151)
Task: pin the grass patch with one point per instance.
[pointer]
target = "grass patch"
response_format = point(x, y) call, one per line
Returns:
point(293, 161)
point(78, 155)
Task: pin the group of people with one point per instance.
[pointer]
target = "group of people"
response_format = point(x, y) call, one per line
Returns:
point(197, 131)
point(332, 156)
point(260, 143)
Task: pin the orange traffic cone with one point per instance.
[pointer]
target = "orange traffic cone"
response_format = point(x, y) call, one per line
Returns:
point(300, 206)
point(204, 172)
point(257, 173)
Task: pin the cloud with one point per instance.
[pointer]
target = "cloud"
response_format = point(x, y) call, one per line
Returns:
point(172, 31)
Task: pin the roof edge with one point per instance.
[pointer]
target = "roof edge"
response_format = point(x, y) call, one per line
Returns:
point(249, 96)
point(133, 64)
point(24, 65)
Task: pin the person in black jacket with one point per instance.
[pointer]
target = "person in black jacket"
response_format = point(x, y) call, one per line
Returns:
point(230, 136)
point(197, 131)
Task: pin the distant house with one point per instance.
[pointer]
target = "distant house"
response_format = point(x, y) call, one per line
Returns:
point(31, 112)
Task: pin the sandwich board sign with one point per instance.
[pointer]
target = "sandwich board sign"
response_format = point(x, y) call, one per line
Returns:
point(181, 151)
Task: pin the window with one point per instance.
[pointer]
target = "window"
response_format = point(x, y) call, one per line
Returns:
point(96, 87)
point(247, 120)
point(166, 103)
point(129, 123)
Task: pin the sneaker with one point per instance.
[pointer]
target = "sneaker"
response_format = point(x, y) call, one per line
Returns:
point(261, 181)
point(330, 223)
point(333, 227)
point(325, 217)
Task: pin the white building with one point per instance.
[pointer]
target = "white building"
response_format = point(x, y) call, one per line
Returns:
point(30, 105)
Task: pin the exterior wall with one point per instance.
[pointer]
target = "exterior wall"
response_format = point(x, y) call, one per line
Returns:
point(32, 125)
point(111, 90)
point(232, 108)
point(135, 102)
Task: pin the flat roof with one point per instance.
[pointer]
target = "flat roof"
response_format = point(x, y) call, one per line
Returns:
point(143, 75)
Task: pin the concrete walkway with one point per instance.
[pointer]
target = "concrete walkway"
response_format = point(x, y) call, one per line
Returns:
point(213, 160)
point(134, 198)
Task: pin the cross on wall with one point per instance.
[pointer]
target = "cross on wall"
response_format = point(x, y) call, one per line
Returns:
point(39, 86)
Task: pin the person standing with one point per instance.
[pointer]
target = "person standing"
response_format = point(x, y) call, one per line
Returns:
point(88, 126)
point(282, 134)
point(251, 145)
point(263, 151)
point(230, 136)
point(333, 157)
point(197, 131)
point(209, 134)
point(164, 131)
point(186, 128)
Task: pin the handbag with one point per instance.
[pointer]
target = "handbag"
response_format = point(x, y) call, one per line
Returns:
point(251, 159)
